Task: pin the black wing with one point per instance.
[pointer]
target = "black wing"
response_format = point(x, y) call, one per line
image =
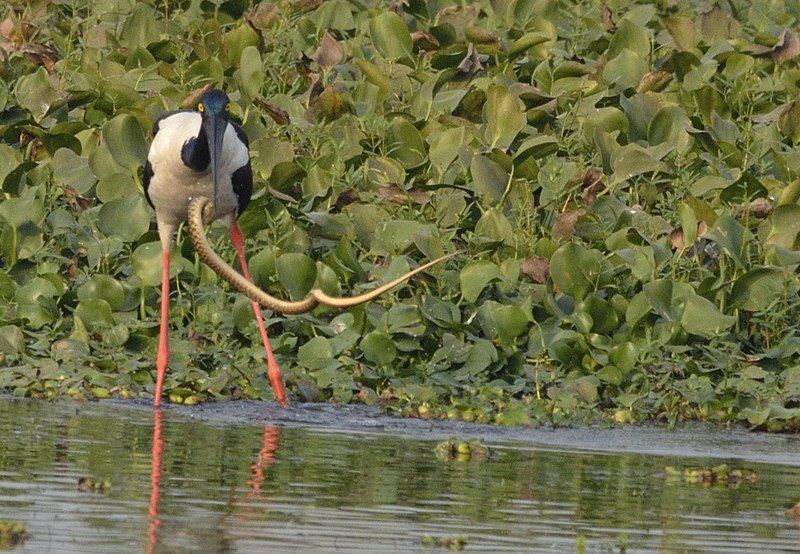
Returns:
point(242, 178)
point(148, 174)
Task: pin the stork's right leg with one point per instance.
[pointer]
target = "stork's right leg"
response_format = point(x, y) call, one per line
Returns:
point(273, 370)
point(162, 358)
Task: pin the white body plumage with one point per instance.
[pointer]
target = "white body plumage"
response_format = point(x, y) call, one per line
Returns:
point(174, 184)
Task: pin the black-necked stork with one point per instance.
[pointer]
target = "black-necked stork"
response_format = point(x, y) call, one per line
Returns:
point(200, 153)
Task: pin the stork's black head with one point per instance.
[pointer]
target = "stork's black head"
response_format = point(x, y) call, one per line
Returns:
point(214, 109)
point(214, 102)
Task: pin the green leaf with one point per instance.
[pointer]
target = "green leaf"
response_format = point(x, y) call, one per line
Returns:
point(127, 218)
point(297, 273)
point(731, 237)
point(625, 70)
point(576, 270)
point(405, 143)
point(378, 347)
point(669, 125)
point(35, 93)
point(390, 36)
point(475, 276)
point(702, 317)
point(394, 236)
point(146, 261)
point(760, 289)
point(316, 353)
point(504, 116)
point(683, 32)
point(444, 147)
point(237, 40)
point(71, 170)
point(12, 341)
point(251, 73)
point(140, 27)
point(495, 226)
point(667, 297)
point(118, 185)
point(488, 178)
point(95, 313)
point(631, 160)
point(789, 121)
point(103, 287)
point(688, 224)
point(629, 36)
point(125, 141)
point(604, 318)
point(506, 322)
point(624, 356)
point(262, 267)
point(783, 226)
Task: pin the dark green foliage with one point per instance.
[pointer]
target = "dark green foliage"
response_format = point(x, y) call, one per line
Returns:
point(622, 181)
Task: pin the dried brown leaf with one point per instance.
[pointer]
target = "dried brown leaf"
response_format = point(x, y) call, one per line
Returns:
point(478, 35)
point(676, 240)
point(329, 52)
point(564, 226)
point(608, 19)
point(263, 16)
point(460, 17)
point(537, 268)
point(787, 47)
point(471, 62)
point(7, 29)
point(654, 81)
point(592, 185)
point(278, 115)
point(759, 208)
point(715, 24)
point(305, 6)
point(346, 197)
point(425, 41)
point(394, 193)
point(398, 6)
point(328, 105)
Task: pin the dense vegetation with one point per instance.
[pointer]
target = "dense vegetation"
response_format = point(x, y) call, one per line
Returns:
point(622, 183)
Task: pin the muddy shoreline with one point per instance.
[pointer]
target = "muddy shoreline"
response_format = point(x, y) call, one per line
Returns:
point(694, 439)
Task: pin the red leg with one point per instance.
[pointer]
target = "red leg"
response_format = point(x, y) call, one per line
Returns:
point(162, 358)
point(273, 370)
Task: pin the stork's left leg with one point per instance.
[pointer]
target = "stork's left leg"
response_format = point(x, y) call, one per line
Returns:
point(273, 370)
point(162, 357)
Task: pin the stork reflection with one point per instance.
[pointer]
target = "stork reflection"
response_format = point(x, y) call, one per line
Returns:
point(155, 482)
point(265, 458)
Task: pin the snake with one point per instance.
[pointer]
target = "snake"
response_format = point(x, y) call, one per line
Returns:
point(202, 208)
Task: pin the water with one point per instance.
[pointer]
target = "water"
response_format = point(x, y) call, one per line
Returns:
point(179, 484)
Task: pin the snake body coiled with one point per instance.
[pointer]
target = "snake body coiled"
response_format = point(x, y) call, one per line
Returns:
point(201, 206)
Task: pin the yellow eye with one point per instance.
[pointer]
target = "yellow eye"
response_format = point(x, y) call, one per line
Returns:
point(201, 108)
point(228, 107)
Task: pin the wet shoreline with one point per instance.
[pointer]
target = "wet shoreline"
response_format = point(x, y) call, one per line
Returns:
point(693, 439)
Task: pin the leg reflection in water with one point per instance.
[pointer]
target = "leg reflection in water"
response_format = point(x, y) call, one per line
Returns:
point(269, 444)
point(155, 482)
point(266, 456)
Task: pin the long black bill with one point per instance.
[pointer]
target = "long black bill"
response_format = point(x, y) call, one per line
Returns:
point(215, 131)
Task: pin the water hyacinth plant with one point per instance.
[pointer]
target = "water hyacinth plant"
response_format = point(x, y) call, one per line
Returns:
point(622, 178)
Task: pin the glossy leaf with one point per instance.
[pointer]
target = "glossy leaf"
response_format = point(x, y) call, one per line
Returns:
point(390, 36)
point(296, 273)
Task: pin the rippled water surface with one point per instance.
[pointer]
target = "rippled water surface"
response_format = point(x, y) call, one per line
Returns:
point(180, 484)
